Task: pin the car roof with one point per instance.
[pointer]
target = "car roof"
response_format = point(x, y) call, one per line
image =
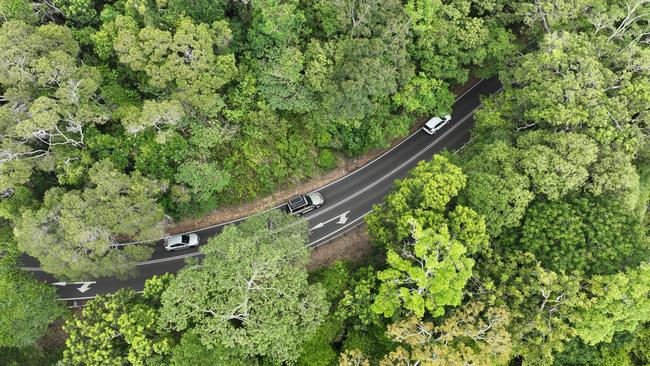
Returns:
point(178, 238)
point(173, 240)
point(434, 121)
point(297, 202)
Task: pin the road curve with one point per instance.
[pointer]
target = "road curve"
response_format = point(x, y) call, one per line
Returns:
point(347, 200)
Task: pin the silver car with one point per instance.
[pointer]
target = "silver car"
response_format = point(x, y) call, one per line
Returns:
point(178, 242)
point(435, 124)
point(305, 203)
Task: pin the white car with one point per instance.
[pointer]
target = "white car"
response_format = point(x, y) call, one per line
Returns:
point(179, 242)
point(436, 123)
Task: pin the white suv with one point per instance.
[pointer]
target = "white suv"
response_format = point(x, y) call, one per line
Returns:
point(435, 124)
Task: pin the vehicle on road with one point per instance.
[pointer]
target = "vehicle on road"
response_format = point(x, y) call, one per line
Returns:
point(178, 242)
point(435, 124)
point(305, 203)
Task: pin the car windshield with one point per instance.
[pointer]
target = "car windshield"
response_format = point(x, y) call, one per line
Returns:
point(309, 201)
point(185, 239)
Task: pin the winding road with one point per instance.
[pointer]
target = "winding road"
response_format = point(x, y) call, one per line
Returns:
point(347, 200)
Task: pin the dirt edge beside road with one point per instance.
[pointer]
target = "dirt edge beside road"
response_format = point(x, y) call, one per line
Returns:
point(345, 166)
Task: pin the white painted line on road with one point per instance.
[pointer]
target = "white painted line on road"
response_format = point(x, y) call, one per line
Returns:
point(343, 218)
point(311, 245)
point(356, 194)
point(329, 208)
point(396, 169)
point(320, 188)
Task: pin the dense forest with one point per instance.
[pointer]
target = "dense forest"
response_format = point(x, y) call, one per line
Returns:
point(529, 247)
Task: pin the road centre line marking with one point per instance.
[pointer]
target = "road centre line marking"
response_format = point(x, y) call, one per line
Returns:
point(352, 224)
point(394, 170)
point(329, 208)
point(356, 194)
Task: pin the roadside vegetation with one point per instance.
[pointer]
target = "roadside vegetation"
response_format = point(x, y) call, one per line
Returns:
point(528, 247)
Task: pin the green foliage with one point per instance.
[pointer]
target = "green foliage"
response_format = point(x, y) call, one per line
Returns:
point(613, 303)
point(326, 159)
point(184, 62)
point(78, 11)
point(28, 306)
point(428, 243)
point(449, 37)
point(190, 351)
point(617, 352)
point(593, 237)
point(117, 329)
point(203, 179)
point(250, 292)
point(82, 226)
point(422, 196)
point(429, 275)
point(423, 96)
point(16, 10)
point(539, 302)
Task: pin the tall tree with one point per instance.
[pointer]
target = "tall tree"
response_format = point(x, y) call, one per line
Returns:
point(422, 196)
point(120, 328)
point(424, 276)
point(428, 242)
point(28, 305)
point(613, 303)
point(74, 234)
point(49, 98)
point(250, 293)
point(472, 334)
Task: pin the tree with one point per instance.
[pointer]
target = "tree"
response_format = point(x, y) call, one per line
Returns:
point(28, 306)
point(426, 275)
point(540, 302)
point(428, 240)
point(78, 11)
point(190, 351)
point(589, 236)
point(16, 10)
point(557, 164)
point(580, 84)
point(496, 187)
point(74, 234)
point(120, 328)
point(472, 334)
point(275, 25)
point(613, 175)
point(184, 63)
point(204, 179)
point(613, 303)
point(449, 38)
point(424, 96)
point(282, 81)
point(422, 196)
point(48, 101)
point(250, 292)
point(155, 114)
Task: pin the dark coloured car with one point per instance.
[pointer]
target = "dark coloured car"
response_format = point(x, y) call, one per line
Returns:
point(305, 203)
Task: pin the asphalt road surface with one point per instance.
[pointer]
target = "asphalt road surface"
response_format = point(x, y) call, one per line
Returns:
point(347, 200)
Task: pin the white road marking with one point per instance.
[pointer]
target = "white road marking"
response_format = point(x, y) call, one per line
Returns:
point(59, 283)
point(325, 238)
point(85, 286)
point(343, 218)
point(323, 187)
